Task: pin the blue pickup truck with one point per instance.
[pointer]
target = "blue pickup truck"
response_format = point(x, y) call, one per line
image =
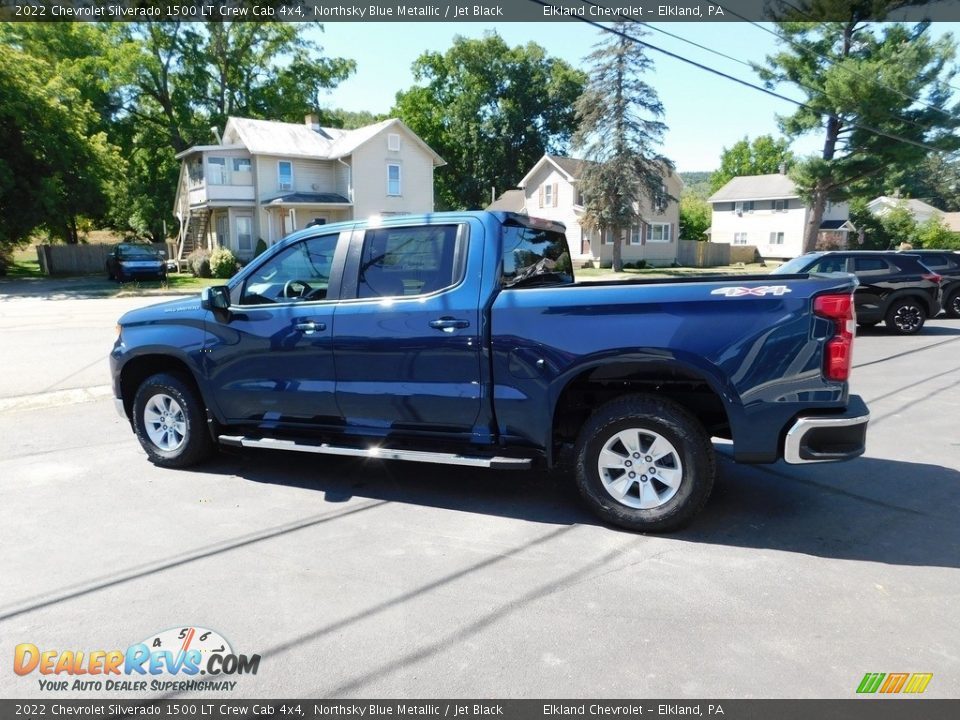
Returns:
point(462, 338)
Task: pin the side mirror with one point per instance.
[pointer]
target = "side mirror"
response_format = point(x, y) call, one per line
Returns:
point(216, 297)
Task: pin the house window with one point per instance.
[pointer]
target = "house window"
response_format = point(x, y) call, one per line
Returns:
point(742, 206)
point(607, 236)
point(285, 175)
point(244, 233)
point(636, 235)
point(776, 238)
point(779, 205)
point(217, 170)
point(242, 165)
point(660, 202)
point(739, 238)
point(393, 179)
point(547, 196)
point(659, 232)
point(393, 142)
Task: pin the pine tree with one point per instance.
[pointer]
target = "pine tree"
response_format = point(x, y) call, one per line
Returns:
point(860, 78)
point(619, 131)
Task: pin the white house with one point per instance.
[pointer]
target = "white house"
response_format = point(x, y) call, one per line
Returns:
point(551, 190)
point(920, 210)
point(766, 211)
point(265, 179)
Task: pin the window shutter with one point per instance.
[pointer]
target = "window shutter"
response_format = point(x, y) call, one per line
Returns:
point(540, 195)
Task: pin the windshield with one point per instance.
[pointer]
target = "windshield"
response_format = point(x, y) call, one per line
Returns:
point(795, 266)
point(535, 255)
point(131, 251)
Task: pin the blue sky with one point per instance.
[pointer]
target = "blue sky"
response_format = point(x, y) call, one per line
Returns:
point(704, 112)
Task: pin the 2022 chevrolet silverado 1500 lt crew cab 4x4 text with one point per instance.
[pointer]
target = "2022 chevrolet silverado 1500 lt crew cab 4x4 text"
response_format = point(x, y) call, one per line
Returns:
point(461, 338)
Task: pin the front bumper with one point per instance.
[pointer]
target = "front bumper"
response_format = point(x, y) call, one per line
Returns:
point(828, 438)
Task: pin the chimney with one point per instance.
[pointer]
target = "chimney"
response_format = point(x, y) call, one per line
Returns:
point(312, 121)
point(783, 168)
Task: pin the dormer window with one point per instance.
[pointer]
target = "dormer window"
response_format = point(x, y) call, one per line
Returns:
point(393, 142)
point(285, 175)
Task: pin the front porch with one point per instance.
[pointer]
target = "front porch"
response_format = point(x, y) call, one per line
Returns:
point(295, 211)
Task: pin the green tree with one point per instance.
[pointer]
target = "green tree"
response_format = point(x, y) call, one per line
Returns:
point(489, 110)
point(763, 156)
point(858, 75)
point(619, 131)
point(695, 217)
point(52, 168)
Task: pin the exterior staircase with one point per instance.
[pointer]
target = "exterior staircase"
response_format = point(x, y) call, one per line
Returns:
point(192, 236)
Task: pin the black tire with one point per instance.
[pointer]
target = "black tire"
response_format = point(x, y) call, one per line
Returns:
point(195, 443)
point(952, 304)
point(649, 416)
point(906, 316)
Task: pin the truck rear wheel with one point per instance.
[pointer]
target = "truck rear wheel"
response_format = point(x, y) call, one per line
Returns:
point(645, 463)
point(169, 420)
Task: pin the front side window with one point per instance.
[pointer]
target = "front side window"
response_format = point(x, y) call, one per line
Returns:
point(659, 232)
point(776, 238)
point(636, 235)
point(548, 195)
point(402, 261)
point(740, 238)
point(299, 273)
point(393, 179)
point(244, 233)
point(285, 175)
point(242, 165)
point(217, 170)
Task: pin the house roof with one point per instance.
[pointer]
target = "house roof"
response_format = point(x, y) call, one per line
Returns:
point(509, 201)
point(837, 225)
point(305, 198)
point(756, 187)
point(569, 167)
point(912, 204)
point(270, 137)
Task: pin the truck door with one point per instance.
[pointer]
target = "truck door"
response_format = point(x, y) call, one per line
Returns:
point(271, 357)
point(407, 331)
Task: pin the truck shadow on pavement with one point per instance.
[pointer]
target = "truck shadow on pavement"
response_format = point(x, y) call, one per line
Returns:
point(871, 509)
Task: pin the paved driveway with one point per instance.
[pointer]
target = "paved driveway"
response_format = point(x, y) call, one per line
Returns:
point(356, 578)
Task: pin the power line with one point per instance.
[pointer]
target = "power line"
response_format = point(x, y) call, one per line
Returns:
point(727, 76)
point(849, 70)
point(751, 66)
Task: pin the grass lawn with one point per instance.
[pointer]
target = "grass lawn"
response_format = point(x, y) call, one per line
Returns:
point(180, 283)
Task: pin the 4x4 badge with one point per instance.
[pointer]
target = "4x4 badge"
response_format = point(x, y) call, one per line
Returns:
point(741, 291)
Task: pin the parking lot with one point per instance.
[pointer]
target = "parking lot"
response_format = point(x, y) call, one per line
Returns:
point(363, 579)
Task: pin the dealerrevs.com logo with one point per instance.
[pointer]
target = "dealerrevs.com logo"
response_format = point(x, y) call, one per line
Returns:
point(175, 660)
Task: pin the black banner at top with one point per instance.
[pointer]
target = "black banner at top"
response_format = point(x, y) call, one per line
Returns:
point(484, 11)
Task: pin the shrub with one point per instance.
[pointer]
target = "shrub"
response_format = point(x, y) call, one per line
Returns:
point(6, 259)
point(629, 266)
point(640, 264)
point(222, 263)
point(261, 246)
point(199, 263)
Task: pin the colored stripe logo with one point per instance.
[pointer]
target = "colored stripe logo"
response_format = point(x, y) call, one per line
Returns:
point(891, 683)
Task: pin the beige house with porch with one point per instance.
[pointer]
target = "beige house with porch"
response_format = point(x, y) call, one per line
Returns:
point(265, 179)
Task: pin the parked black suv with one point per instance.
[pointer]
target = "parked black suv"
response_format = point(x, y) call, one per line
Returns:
point(896, 287)
point(945, 263)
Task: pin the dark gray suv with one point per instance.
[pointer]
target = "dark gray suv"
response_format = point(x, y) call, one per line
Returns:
point(895, 287)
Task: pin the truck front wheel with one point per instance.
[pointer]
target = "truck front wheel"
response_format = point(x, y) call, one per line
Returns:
point(169, 420)
point(645, 463)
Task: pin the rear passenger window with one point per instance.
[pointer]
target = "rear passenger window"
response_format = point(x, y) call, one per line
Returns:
point(403, 261)
point(830, 265)
point(869, 265)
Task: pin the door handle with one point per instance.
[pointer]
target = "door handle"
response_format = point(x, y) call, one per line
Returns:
point(310, 327)
point(449, 324)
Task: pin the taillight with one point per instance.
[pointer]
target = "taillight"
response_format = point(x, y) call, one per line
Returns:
point(839, 348)
point(933, 277)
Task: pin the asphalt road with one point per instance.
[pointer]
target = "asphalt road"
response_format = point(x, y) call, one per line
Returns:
point(363, 579)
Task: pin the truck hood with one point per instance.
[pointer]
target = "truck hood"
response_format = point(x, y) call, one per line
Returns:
point(163, 311)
